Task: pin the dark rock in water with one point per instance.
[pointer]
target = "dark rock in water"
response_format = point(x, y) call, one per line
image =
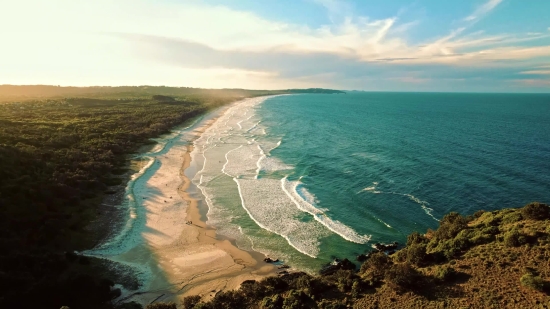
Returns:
point(363, 257)
point(282, 273)
point(283, 267)
point(269, 260)
point(330, 269)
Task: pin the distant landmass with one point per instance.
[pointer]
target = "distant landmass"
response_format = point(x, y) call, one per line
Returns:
point(23, 92)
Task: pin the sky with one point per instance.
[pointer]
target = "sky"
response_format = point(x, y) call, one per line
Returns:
point(372, 45)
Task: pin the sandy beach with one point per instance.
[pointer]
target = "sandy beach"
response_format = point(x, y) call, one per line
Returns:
point(180, 258)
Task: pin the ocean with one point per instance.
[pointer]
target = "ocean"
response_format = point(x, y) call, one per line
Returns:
point(307, 178)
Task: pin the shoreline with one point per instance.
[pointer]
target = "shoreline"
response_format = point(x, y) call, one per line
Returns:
point(178, 259)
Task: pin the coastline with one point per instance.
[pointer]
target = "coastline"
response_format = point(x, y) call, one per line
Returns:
point(177, 259)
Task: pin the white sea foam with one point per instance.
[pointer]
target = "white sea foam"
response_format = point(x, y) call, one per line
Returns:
point(271, 164)
point(291, 190)
point(423, 204)
point(371, 189)
point(380, 220)
point(277, 214)
point(236, 145)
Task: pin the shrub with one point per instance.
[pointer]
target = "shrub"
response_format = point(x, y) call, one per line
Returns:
point(461, 242)
point(161, 306)
point(273, 285)
point(416, 238)
point(478, 213)
point(416, 254)
point(444, 273)
point(448, 249)
point(451, 225)
point(309, 285)
point(295, 300)
point(492, 230)
point(513, 238)
point(402, 276)
point(228, 299)
point(489, 219)
point(536, 211)
point(480, 239)
point(343, 279)
point(376, 264)
point(512, 217)
point(331, 304)
point(273, 302)
point(532, 281)
point(190, 302)
point(356, 288)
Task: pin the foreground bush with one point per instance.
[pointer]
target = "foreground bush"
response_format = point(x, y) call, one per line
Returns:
point(513, 238)
point(402, 276)
point(190, 302)
point(536, 211)
point(451, 225)
point(376, 264)
point(532, 281)
point(444, 273)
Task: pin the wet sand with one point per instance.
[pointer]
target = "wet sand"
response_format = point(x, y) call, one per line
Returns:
point(183, 258)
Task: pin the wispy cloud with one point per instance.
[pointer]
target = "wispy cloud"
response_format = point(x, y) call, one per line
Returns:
point(191, 43)
point(483, 10)
point(537, 72)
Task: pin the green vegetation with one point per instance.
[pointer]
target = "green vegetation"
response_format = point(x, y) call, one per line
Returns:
point(465, 263)
point(532, 281)
point(64, 150)
point(162, 306)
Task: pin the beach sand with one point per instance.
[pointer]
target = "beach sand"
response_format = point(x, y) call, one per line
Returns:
point(184, 259)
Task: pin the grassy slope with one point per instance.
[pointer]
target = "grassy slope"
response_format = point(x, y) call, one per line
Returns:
point(493, 259)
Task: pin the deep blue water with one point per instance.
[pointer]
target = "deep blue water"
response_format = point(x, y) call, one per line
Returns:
point(387, 164)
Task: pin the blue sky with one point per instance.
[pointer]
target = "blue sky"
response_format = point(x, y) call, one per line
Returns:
point(430, 45)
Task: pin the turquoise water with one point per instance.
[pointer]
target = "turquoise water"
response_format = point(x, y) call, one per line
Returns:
point(310, 177)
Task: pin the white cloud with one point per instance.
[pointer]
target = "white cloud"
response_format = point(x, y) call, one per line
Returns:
point(483, 10)
point(103, 42)
point(537, 72)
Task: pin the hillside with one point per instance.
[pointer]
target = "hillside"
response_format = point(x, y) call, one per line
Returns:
point(493, 259)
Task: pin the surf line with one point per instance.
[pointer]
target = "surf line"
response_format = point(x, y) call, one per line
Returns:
point(335, 226)
point(413, 198)
point(265, 227)
point(227, 161)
